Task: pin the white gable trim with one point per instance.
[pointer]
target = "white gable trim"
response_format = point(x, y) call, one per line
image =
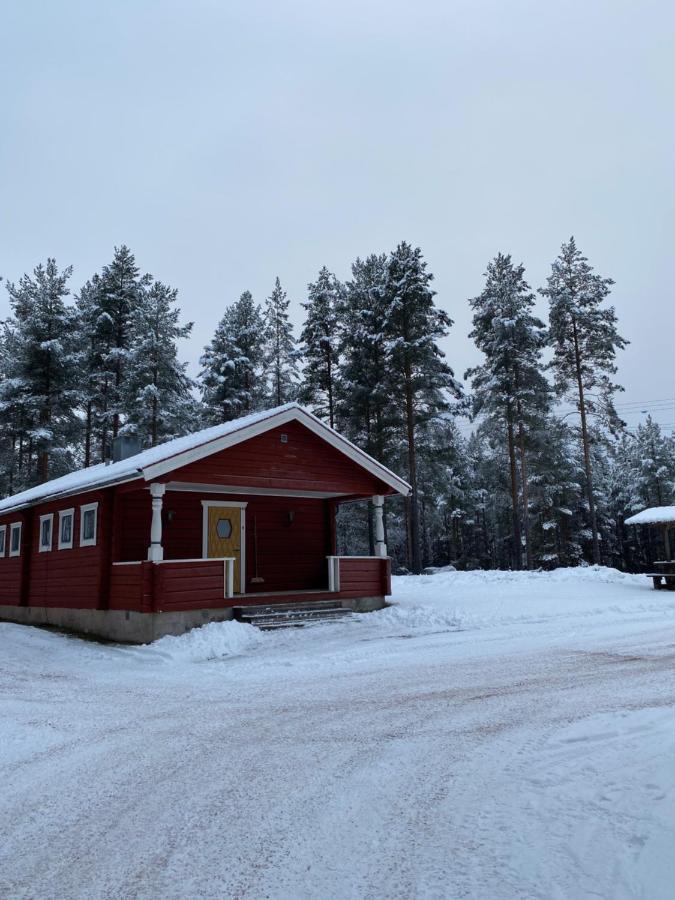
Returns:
point(289, 415)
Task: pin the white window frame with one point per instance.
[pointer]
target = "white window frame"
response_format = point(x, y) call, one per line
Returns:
point(44, 548)
point(15, 526)
point(88, 542)
point(67, 545)
point(3, 534)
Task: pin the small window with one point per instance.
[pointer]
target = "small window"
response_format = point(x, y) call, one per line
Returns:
point(3, 539)
point(224, 529)
point(46, 527)
point(15, 539)
point(88, 516)
point(66, 519)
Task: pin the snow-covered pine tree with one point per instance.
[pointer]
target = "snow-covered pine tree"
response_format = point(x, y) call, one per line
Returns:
point(363, 403)
point(38, 387)
point(585, 339)
point(421, 380)
point(90, 348)
point(157, 399)
point(442, 486)
point(319, 345)
point(232, 377)
point(14, 420)
point(120, 290)
point(491, 490)
point(652, 467)
point(280, 352)
point(364, 407)
point(509, 385)
point(555, 480)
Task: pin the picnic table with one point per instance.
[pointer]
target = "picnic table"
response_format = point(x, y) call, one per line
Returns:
point(665, 577)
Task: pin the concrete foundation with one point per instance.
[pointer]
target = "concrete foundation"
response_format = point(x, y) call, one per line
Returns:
point(128, 627)
point(121, 626)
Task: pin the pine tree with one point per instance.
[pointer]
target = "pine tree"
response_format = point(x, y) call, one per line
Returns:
point(364, 400)
point(38, 387)
point(232, 376)
point(652, 464)
point(157, 399)
point(510, 384)
point(121, 290)
point(420, 377)
point(280, 353)
point(14, 421)
point(585, 340)
point(320, 340)
point(555, 482)
point(90, 350)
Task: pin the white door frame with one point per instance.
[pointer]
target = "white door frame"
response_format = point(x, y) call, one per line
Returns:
point(225, 503)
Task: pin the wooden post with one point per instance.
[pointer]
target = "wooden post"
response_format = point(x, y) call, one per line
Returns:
point(666, 542)
point(378, 507)
point(155, 550)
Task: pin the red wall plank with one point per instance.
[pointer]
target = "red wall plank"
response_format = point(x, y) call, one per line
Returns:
point(70, 578)
point(304, 462)
point(11, 566)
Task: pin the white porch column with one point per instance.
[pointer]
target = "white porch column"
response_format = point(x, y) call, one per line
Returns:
point(155, 550)
point(378, 507)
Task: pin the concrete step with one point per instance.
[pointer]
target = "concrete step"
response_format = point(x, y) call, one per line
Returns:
point(290, 615)
point(293, 605)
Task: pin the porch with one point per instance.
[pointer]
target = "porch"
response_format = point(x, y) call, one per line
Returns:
point(151, 586)
point(182, 545)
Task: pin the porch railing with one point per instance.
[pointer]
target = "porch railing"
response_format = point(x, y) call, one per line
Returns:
point(163, 584)
point(359, 575)
point(179, 584)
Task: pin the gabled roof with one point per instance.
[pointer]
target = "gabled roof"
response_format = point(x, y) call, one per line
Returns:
point(158, 461)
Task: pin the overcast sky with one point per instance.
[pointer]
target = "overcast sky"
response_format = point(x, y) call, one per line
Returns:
point(228, 142)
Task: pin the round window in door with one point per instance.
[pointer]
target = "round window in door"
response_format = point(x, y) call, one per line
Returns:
point(224, 529)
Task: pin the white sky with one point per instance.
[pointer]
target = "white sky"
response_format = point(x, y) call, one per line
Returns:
point(227, 142)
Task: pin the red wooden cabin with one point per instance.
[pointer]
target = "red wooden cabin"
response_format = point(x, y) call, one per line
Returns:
point(188, 531)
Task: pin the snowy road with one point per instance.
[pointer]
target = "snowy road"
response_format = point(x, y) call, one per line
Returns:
point(490, 737)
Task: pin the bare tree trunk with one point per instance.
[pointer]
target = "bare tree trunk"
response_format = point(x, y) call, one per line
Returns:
point(329, 374)
point(408, 541)
point(415, 550)
point(586, 450)
point(87, 436)
point(517, 548)
point(525, 489)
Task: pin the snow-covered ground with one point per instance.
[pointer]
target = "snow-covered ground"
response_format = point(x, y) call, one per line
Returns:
point(491, 735)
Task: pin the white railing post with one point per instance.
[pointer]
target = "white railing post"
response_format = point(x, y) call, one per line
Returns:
point(228, 577)
point(378, 507)
point(155, 550)
point(333, 573)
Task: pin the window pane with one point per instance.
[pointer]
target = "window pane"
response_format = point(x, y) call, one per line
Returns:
point(16, 537)
point(224, 528)
point(66, 529)
point(46, 533)
point(89, 524)
point(2, 543)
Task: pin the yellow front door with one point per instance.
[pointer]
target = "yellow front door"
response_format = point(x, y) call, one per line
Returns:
point(223, 537)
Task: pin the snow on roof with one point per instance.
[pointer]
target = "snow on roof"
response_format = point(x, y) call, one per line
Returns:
point(103, 475)
point(655, 515)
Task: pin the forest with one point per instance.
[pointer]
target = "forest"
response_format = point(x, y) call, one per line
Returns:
point(544, 477)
